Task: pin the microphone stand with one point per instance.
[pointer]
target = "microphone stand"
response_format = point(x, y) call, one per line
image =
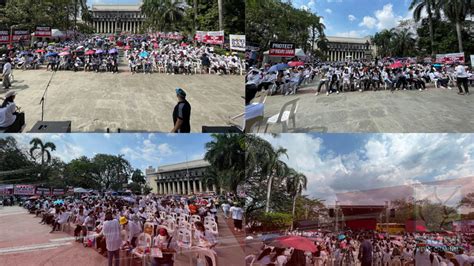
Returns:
point(44, 95)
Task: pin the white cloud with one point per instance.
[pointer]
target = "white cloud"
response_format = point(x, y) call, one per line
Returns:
point(351, 18)
point(351, 34)
point(328, 10)
point(384, 18)
point(368, 22)
point(382, 161)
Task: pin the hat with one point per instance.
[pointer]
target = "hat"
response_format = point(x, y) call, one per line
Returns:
point(180, 92)
point(123, 220)
point(10, 94)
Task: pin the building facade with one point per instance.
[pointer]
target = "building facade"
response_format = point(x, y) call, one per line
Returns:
point(111, 19)
point(182, 178)
point(344, 48)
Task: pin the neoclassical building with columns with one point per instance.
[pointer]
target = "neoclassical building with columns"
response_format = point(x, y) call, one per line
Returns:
point(346, 48)
point(111, 19)
point(182, 178)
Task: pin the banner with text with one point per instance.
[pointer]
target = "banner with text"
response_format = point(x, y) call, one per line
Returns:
point(21, 35)
point(199, 36)
point(43, 32)
point(24, 190)
point(282, 49)
point(58, 191)
point(450, 58)
point(214, 37)
point(237, 42)
point(4, 36)
point(45, 191)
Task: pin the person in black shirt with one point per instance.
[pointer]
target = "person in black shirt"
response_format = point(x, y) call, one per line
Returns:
point(181, 114)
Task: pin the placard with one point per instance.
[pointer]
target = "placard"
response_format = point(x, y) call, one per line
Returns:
point(45, 191)
point(24, 190)
point(237, 42)
point(58, 191)
point(43, 31)
point(20, 35)
point(214, 37)
point(281, 49)
point(450, 58)
point(472, 60)
point(4, 36)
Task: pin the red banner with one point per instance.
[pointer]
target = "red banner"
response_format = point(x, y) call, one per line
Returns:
point(24, 190)
point(43, 32)
point(20, 35)
point(282, 49)
point(450, 58)
point(199, 36)
point(214, 37)
point(4, 36)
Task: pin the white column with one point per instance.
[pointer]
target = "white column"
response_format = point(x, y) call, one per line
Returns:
point(214, 188)
point(167, 188)
point(194, 186)
point(200, 186)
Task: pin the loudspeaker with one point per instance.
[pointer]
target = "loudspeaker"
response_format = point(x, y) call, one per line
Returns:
point(51, 127)
point(231, 129)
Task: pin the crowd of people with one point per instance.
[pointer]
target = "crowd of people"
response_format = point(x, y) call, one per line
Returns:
point(372, 248)
point(136, 226)
point(288, 78)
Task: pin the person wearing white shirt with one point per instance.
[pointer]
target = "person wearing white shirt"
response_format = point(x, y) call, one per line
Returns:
point(111, 232)
point(11, 120)
point(462, 78)
point(237, 214)
point(134, 229)
point(7, 70)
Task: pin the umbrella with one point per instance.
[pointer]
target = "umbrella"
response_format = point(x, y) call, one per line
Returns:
point(90, 52)
point(39, 51)
point(52, 54)
point(58, 202)
point(296, 63)
point(34, 197)
point(113, 51)
point(398, 243)
point(24, 53)
point(278, 67)
point(183, 44)
point(127, 47)
point(99, 51)
point(269, 237)
point(341, 237)
point(66, 48)
point(80, 48)
point(296, 242)
point(63, 53)
point(143, 54)
point(397, 64)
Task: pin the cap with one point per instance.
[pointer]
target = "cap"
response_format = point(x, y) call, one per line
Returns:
point(123, 220)
point(10, 94)
point(180, 92)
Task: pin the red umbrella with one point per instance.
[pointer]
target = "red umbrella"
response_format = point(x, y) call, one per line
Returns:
point(296, 242)
point(397, 64)
point(296, 63)
point(127, 47)
point(89, 52)
point(183, 44)
point(39, 51)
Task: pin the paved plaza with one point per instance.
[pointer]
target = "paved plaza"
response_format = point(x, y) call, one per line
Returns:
point(433, 110)
point(25, 242)
point(97, 101)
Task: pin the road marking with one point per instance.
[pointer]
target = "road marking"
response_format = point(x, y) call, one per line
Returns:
point(19, 249)
point(63, 239)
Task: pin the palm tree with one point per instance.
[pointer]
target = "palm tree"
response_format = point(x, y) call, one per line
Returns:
point(226, 155)
point(164, 13)
point(274, 167)
point(44, 149)
point(296, 183)
point(383, 40)
point(402, 41)
point(221, 22)
point(428, 5)
point(457, 12)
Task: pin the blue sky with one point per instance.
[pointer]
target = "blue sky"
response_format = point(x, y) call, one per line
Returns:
point(336, 163)
point(142, 150)
point(357, 18)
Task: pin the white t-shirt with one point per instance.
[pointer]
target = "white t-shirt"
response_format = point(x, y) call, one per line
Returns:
point(461, 72)
point(7, 69)
point(237, 213)
point(7, 118)
point(111, 231)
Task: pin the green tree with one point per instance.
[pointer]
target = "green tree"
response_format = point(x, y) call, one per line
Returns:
point(226, 154)
point(296, 183)
point(457, 11)
point(41, 150)
point(164, 14)
point(403, 42)
point(417, 6)
point(110, 171)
